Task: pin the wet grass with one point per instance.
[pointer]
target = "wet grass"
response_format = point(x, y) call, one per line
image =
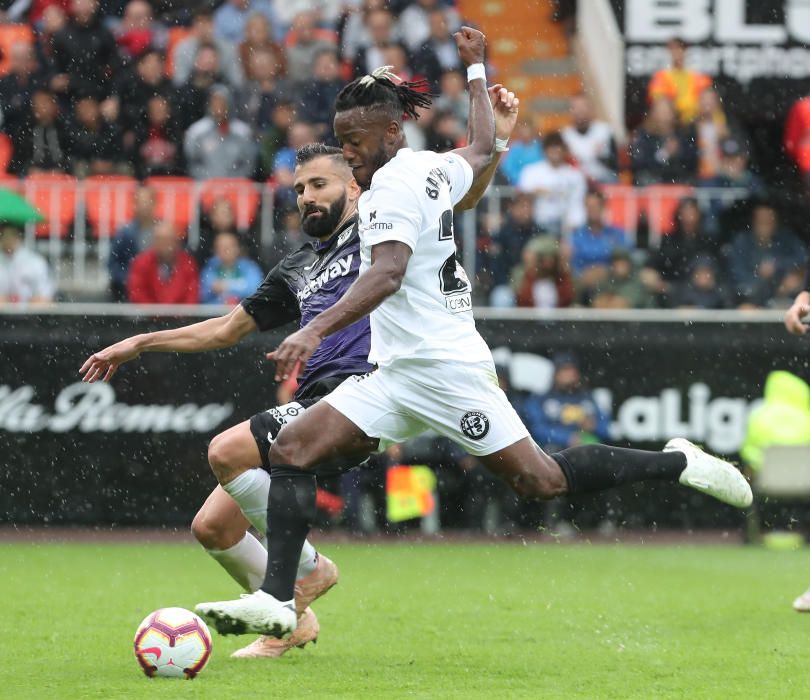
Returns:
point(439, 621)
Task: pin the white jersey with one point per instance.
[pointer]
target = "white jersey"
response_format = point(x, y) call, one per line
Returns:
point(411, 200)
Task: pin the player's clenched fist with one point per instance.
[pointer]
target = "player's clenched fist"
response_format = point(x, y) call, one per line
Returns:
point(471, 44)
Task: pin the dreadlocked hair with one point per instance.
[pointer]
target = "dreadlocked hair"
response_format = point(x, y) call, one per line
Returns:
point(383, 88)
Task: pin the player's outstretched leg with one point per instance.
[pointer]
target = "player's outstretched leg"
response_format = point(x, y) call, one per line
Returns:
point(319, 435)
point(588, 468)
point(221, 527)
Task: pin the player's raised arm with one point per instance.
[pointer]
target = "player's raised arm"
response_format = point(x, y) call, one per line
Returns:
point(478, 153)
point(211, 334)
point(795, 314)
point(505, 107)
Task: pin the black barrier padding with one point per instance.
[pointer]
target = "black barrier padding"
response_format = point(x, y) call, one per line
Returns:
point(96, 473)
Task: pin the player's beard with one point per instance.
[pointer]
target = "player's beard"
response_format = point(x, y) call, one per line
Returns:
point(324, 226)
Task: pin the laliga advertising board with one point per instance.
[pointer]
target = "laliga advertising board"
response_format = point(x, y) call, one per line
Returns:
point(99, 453)
point(756, 52)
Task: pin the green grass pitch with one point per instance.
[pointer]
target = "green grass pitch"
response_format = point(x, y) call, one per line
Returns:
point(427, 621)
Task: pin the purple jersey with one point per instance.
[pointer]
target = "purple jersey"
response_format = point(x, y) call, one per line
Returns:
point(303, 284)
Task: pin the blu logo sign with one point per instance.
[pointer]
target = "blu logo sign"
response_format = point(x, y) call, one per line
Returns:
point(722, 21)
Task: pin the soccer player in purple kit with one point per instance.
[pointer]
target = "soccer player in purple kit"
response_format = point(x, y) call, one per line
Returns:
point(434, 371)
point(305, 283)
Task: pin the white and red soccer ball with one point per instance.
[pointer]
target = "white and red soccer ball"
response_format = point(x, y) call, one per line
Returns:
point(172, 642)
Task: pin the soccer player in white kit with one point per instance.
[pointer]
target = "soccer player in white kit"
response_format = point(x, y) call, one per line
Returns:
point(434, 371)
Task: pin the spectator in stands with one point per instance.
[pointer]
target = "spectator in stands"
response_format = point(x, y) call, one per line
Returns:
point(506, 247)
point(380, 28)
point(318, 95)
point(622, 288)
point(702, 289)
point(662, 151)
point(255, 101)
point(439, 52)
point(760, 257)
point(711, 128)
point(17, 88)
point(679, 84)
point(41, 146)
point(445, 132)
point(221, 218)
point(794, 281)
point(304, 42)
point(164, 273)
point(228, 277)
point(797, 135)
point(130, 240)
point(276, 136)
point(134, 88)
point(259, 37)
point(670, 265)
point(24, 274)
point(591, 142)
point(416, 23)
point(202, 34)
point(290, 236)
point(394, 55)
point(85, 55)
point(559, 187)
point(354, 33)
point(138, 30)
point(219, 145)
point(230, 19)
point(734, 175)
point(157, 148)
point(191, 99)
point(542, 281)
point(524, 149)
point(95, 145)
point(32, 11)
point(54, 19)
point(568, 414)
point(284, 162)
point(452, 95)
point(592, 244)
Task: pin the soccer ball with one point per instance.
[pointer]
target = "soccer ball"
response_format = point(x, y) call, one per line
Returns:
point(172, 642)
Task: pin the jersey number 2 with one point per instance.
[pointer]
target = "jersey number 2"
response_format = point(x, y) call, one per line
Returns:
point(446, 226)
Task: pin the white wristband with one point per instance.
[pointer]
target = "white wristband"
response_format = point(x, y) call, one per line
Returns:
point(501, 145)
point(475, 71)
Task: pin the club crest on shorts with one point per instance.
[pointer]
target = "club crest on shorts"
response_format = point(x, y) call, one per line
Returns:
point(475, 425)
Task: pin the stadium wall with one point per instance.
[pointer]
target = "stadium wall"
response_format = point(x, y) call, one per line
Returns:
point(133, 452)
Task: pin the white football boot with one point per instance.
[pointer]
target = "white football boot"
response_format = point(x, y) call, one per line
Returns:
point(711, 475)
point(257, 612)
point(802, 603)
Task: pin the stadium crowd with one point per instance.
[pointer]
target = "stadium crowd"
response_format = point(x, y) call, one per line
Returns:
point(231, 89)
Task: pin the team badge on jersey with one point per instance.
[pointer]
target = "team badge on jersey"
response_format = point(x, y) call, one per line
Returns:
point(475, 425)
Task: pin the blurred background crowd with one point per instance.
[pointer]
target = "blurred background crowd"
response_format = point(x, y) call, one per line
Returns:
point(150, 95)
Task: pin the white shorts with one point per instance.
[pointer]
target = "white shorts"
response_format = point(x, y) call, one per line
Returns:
point(461, 401)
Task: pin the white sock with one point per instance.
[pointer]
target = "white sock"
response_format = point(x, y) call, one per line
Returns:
point(308, 560)
point(246, 561)
point(251, 491)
